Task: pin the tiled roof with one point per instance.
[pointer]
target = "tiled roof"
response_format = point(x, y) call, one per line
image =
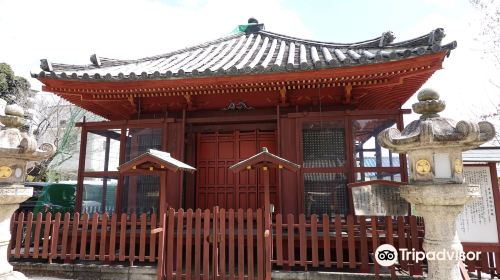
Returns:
point(250, 52)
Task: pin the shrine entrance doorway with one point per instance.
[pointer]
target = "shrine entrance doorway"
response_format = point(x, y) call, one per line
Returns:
point(216, 185)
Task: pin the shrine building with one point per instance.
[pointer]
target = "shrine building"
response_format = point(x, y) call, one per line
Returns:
point(317, 104)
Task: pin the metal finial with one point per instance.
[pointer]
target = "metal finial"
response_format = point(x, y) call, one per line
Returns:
point(253, 20)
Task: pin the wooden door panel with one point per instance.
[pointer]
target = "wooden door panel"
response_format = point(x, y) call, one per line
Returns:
point(247, 148)
point(206, 150)
point(216, 185)
point(226, 150)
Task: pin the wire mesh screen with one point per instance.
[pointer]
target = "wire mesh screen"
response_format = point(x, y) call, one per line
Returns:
point(140, 194)
point(323, 146)
point(325, 193)
point(140, 140)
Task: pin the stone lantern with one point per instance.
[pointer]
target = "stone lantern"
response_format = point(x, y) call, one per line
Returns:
point(436, 185)
point(16, 150)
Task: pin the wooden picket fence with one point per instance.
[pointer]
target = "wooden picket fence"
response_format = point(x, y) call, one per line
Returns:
point(344, 242)
point(124, 238)
point(212, 244)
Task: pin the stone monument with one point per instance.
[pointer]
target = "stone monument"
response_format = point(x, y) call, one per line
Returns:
point(436, 185)
point(16, 150)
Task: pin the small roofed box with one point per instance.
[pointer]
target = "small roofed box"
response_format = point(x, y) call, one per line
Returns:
point(378, 198)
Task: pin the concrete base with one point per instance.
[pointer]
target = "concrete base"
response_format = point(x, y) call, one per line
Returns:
point(300, 275)
point(117, 272)
point(14, 275)
point(86, 271)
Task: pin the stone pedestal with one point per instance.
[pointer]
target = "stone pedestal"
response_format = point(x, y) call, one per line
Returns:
point(10, 197)
point(440, 205)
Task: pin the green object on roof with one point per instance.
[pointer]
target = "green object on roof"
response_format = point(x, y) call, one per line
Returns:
point(240, 29)
point(252, 26)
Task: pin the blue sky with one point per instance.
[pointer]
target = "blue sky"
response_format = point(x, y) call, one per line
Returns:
point(70, 31)
point(356, 20)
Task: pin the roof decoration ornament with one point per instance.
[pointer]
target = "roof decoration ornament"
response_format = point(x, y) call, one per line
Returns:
point(95, 60)
point(252, 26)
point(45, 65)
point(237, 106)
point(436, 36)
point(386, 38)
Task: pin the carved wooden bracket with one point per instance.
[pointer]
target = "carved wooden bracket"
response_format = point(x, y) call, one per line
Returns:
point(283, 96)
point(189, 101)
point(347, 93)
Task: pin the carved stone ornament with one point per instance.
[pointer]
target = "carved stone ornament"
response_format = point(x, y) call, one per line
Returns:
point(458, 166)
point(423, 166)
point(5, 172)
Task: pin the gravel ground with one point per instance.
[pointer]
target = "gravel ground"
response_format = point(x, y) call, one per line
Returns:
point(48, 278)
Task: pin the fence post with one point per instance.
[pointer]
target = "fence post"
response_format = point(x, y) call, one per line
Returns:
point(215, 243)
point(267, 225)
point(161, 246)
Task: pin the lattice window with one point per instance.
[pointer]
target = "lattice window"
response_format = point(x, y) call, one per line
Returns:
point(324, 146)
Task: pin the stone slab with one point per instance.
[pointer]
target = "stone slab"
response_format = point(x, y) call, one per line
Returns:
point(86, 271)
point(299, 275)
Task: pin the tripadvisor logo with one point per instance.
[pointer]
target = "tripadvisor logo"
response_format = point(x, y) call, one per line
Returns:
point(387, 255)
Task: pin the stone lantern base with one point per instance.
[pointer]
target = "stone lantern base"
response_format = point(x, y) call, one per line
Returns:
point(10, 197)
point(440, 206)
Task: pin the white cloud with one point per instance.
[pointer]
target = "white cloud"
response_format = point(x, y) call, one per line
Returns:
point(445, 4)
point(70, 31)
point(464, 82)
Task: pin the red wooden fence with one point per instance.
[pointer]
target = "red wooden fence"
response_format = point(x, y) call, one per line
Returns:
point(96, 237)
point(223, 244)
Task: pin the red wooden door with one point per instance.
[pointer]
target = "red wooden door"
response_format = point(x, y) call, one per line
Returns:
point(216, 185)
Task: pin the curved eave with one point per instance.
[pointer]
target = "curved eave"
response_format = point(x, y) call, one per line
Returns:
point(109, 86)
point(375, 86)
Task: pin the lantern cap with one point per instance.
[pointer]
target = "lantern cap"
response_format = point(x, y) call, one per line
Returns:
point(432, 131)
